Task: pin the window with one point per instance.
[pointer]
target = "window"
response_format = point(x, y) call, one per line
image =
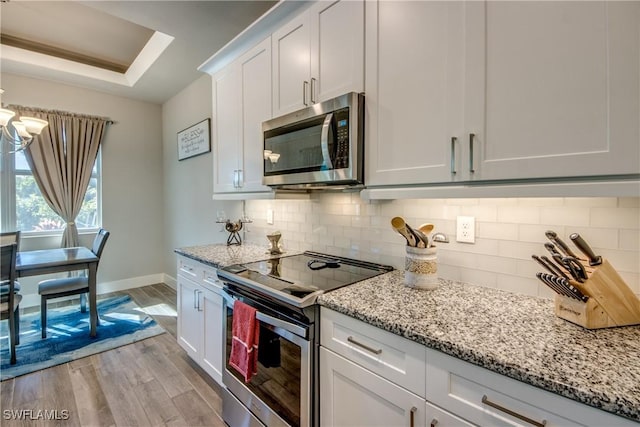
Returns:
point(24, 208)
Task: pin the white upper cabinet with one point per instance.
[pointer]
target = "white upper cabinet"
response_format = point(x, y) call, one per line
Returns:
point(547, 89)
point(553, 88)
point(414, 90)
point(242, 101)
point(318, 55)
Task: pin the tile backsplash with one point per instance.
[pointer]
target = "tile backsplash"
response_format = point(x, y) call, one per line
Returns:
point(508, 232)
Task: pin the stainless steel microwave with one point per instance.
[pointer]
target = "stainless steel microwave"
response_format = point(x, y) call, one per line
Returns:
point(321, 145)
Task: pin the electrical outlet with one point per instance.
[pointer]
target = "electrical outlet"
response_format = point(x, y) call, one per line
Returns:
point(270, 216)
point(466, 229)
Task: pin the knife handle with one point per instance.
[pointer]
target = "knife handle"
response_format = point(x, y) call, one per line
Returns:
point(549, 265)
point(586, 249)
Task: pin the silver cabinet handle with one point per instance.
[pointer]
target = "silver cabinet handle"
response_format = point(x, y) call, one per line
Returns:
point(412, 416)
point(472, 136)
point(304, 92)
point(366, 347)
point(199, 293)
point(487, 402)
point(434, 423)
point(453, 154)
point(235, 178)
point(195, 298)
point(313, 90)
point(240, 178)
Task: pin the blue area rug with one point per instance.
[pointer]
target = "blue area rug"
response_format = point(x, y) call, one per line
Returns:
point(121, 322)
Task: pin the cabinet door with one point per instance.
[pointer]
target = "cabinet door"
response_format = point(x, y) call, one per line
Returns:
point(189, 318)
point(353, 396)
point(437, 417)
point(291, 66)
point(211, 309)
point(226, 108)
point(414, 87)
point(553, 88)
point(255, 71)
point(337, 49)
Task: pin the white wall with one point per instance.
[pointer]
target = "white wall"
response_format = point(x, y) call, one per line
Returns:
point(508, 232)
point(190, 211)
point(132, 177)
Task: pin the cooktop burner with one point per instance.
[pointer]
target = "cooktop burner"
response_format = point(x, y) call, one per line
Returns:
point(301, 278)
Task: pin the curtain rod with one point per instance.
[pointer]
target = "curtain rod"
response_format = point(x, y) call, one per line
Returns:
point(61, 113)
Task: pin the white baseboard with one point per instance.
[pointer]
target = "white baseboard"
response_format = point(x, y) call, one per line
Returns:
point(33, 300)
point(170, 281)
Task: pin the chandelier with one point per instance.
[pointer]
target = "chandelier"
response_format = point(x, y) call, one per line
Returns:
point(18, 134)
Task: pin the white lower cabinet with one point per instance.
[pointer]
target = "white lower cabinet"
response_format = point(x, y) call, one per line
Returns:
point(353, 396)
point(371, 377)
point(200, 316)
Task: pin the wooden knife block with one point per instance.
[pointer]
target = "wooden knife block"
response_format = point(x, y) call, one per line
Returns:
point(611, 302)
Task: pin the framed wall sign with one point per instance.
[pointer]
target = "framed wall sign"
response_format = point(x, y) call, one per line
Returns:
point(194, 140)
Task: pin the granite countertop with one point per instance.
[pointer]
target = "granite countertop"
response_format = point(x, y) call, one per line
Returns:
point(514, 335)
point(221, 255)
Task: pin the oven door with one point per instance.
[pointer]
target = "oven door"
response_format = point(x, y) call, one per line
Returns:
point(280, 393)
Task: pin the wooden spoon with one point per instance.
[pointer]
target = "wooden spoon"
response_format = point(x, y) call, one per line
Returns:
point(426, 228)
point(398, 224)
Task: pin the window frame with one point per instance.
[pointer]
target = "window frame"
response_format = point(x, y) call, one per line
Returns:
point(9, 215)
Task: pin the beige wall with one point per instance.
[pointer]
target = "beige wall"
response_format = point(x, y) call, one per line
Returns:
point(190, 211)
point(132, 176)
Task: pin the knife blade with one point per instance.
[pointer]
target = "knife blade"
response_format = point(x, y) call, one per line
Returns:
point(586, 249)
point(564, 283)
point(553, 236)
point(550, 278)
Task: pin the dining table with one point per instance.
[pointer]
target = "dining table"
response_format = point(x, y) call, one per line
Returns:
point(46, 261)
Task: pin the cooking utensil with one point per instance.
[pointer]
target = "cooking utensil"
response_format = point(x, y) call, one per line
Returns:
point(576, 268)
point(551, 248)
point(398, 224)
point(550, 266)
point(422, 237)
point(586, 249)
point(553, 236)
point(552, 285)
point(564, 283)
point(426, 228)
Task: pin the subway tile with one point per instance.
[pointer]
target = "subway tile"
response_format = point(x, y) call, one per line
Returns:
point(361, 221)
point(459, 202)
point(575, 216)
point(493, 230)
point(591, 202)
point(521, 250)
point(629, 202)
point(535, 233)
point(615, 217)
point(629, 240)
point(632, 280)
point(540, 201)
point(518, 215)
point(496, 264)
point(458, 258)
point(517, 285)
point(477, 277)
point(628, 261)
point(597, 238)
point(496, 201)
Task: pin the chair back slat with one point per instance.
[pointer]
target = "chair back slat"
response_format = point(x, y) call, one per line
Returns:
point(8, 262)
point(99, 242)
point(10, 237)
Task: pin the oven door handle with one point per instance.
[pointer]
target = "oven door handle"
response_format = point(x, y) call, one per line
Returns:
point(324, 143)
point(270, 320)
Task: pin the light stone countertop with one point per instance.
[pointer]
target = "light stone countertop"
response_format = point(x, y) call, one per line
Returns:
point(514, 335)
point(221, 255)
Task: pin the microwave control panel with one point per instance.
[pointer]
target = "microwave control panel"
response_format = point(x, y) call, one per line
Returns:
point(342, 139)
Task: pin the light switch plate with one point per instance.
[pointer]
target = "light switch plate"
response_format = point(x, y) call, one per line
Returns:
point(270, 216)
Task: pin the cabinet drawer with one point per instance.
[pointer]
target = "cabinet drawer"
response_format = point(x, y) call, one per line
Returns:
point(188, 268)
point(210, 279)
point(487, 398)
point(397, 359)
point(437, 417)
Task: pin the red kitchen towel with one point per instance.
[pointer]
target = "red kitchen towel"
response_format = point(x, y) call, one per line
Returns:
point(244, 345)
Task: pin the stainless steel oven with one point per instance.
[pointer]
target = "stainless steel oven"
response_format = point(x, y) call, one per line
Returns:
point(283, 290)
point(281, 392)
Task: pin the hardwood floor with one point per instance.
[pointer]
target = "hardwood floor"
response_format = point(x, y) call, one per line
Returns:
point(148, 383)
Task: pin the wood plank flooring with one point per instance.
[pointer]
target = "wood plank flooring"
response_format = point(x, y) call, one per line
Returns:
point(148, 383)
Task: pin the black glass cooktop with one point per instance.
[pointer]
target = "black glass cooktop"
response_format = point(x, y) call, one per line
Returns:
point(304, 274)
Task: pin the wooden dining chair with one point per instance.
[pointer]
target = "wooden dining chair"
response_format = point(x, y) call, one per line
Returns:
point(10, 303)
point(8, 238)
point(57, 288)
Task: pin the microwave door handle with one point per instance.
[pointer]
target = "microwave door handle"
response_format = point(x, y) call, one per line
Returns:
point(324, 142)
